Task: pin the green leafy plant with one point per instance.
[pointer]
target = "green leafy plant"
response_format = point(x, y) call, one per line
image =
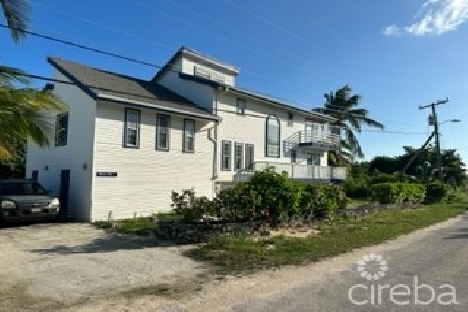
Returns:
point(436, 192)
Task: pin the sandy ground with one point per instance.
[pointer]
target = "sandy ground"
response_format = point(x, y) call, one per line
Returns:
point(52, 266)
point(146, 279)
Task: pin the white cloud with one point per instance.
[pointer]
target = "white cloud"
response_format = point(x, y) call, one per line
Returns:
point(392, 30)
point(434, 17)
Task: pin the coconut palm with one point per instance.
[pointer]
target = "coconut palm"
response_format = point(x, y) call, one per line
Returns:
point(22, 107)
point(343, 106)
point(16, 14)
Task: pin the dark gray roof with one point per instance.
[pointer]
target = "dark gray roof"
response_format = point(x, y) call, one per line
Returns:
point(99, 83)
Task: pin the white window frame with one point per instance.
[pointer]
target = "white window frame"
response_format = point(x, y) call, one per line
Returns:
point(241, 105)
point(128, 127)
point(188, 135)
point(226, 155)
point(61, 131)
point(163, 130)
point(290, 119)
point(268, 143)
point(238, 156)
point(249, 157)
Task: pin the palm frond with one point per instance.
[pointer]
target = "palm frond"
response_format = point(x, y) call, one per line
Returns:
point(23, 115)
point(16, 13)
point(10, 75)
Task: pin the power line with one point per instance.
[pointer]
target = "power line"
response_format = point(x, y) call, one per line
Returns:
point(222, 37)
point(320, 25)
point(104, 26)
point(81, 46)
point(283, 29)
point(40, 77)
point(129, 34)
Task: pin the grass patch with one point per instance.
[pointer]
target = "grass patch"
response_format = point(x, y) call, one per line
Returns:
point(241, 254)
point(137, 226)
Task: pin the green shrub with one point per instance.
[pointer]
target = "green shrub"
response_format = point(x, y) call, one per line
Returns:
point(356, 191)
point(189, 207)
point(436, 192)
point(273, 193)
point(383, 178)
point(236, 203)
point(394, 193)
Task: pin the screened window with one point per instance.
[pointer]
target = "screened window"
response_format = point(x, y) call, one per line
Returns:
point(189, 136)
point(240, 107)
point(238, 156)
point(249, 157)
point(162, 132)
point(290, 119)
point(61, 130)
point(132, 128)
point(272, 137)
point(226, 156)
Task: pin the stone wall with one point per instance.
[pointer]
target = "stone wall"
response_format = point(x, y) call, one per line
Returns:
point(199, 232)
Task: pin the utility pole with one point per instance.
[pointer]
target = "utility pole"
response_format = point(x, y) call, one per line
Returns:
point(433, 122)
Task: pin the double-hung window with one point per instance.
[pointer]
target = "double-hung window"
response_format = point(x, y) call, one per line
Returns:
point(132, 128)
point(238, 156)
point(61, 129)
point(226, 155)
point(272, 137)
point(290, 119)
point(189, 136)
point(249, 157)
point(163, 123)
point(240, 106)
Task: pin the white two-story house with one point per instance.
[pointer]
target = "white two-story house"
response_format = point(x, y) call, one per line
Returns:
point(125, 143)
point(255, 131)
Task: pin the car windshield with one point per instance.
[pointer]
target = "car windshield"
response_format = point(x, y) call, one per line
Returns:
point(21, 188)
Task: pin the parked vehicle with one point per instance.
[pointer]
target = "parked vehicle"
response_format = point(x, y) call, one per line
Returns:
point(26, 200)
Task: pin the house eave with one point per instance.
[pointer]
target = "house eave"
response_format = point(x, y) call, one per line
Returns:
point(142, 104)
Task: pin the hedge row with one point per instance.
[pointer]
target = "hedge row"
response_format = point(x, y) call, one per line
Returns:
point(268, 195)
point(395, 193)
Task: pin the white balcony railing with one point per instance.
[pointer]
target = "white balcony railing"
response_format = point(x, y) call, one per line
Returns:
point(297, 172)
point(323, 138)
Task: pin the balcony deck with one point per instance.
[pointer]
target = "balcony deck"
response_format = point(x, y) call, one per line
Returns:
point(296, 172)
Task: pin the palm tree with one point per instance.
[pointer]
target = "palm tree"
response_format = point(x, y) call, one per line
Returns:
point(22, 108)
point(16, 13)
point(343, 106)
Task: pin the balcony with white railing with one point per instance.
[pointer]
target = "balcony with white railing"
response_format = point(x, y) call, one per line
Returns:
point(304, 173)
point(323, 138)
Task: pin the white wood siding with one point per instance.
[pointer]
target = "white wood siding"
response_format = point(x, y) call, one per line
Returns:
point(200, 94)
point(146, 176)
point(188, 67)
point(251, 130)
point(73, 156)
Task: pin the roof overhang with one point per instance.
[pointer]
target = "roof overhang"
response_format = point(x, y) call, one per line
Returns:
point(146, 105)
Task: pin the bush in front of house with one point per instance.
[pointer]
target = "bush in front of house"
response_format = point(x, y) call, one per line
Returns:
point(268, 196)
point(436, 192)
point(395, 193)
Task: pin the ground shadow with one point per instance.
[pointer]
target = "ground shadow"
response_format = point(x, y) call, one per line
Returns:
point(109, 243)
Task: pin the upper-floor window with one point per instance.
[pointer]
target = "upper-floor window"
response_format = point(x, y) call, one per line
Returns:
point(226, 155)
point(290, 119)
point(61, 129)
point(238, 156)
point(189, 136)
point(272, 137)
point(249, 157)
point(240, 106)
point(132, 128)
point(162, 131)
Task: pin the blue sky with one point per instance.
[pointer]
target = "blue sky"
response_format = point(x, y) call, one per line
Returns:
point(397, 54)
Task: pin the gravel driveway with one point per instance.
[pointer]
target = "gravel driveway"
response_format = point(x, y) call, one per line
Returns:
point(55, 266)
